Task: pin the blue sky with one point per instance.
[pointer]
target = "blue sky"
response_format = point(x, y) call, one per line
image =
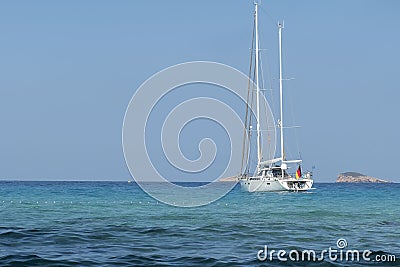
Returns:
point(69, 68)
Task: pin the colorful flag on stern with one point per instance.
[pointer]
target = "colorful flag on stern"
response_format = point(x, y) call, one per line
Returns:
point(298, 172)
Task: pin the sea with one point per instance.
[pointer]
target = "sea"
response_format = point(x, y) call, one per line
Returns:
point(118, 224)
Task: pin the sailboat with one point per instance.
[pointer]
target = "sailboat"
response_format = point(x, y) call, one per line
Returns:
point(272, 174)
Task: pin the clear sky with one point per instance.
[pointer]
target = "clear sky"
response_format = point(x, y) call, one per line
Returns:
point(69, 68)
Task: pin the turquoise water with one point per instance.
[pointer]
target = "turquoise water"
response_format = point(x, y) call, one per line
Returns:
point(117, 224)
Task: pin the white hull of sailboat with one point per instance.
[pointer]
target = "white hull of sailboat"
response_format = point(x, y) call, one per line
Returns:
point(257, 184)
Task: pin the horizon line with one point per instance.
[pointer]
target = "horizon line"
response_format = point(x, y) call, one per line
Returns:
point(133, 181)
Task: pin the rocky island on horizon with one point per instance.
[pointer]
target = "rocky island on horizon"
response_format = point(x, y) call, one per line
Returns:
point(355, 177)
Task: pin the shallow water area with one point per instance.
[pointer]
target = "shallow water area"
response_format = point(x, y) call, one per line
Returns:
point(116, 223)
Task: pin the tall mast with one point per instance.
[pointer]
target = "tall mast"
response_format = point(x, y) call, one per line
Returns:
point(258, 91)
point(280, 27)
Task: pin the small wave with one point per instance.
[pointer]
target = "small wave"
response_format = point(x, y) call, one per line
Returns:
point(154, 230)
point(13, 234)
point(18, 233)
point(389, 223)
point(160, 260)
point(33, 260)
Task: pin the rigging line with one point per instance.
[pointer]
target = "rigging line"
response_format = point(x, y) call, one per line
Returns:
point(249, 148)
point(250, 124)
point(272, 19)
point(246, 122)
point(293, 119)
point(268, 74)
point(269, 143)
point(271, 91)
point(252, 161)
point(262, 75)
point(245, 150)
point(291, 104)
point(249, 159)
point(262, 130)
point(269, 150)
point(268, 15)
point(260, 65)
point(246, 118)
